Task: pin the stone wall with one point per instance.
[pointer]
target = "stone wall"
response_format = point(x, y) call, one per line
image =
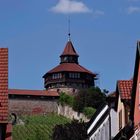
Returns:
point(39, 106)
point(70, 113)
point(32, 106)
point(67, 90)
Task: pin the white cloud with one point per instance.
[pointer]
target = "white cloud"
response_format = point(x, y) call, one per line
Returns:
point(133, 9)
point(70, 6)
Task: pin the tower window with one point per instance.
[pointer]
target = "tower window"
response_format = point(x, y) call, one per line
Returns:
point(56, 76)
point(74, 75)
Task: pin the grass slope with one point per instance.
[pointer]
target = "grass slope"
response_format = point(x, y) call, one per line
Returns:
point(37, 127)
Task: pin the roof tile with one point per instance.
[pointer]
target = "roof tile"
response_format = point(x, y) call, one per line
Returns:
point(125, 87)
point(32, 92)
point(3, 85)
point(71, 67)
point(69, 49)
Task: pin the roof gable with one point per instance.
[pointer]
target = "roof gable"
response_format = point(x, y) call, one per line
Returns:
point(98, 118)
point(3, 85)
point(123, 91)
point(136, 79)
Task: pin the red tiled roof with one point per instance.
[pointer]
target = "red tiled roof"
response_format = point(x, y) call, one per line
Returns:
point(70, 67)
point(125, 87)
point(69, 49)
point(32, 92)
point(3, 85)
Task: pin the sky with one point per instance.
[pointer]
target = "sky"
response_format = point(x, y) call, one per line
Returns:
point(103, 32)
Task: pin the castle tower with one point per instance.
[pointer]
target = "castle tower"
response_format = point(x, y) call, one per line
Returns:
point(68, 76)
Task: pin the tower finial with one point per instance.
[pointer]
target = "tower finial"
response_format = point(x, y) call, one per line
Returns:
point(69, 38)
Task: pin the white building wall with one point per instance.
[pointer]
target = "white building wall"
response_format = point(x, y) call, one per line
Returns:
point(114, 123)
point(121, 107)
point(103, 132)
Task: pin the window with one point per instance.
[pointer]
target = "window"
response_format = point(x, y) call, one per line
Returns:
point(56, 76)
point(120, 119)
point(74, 75)
point(65, 58)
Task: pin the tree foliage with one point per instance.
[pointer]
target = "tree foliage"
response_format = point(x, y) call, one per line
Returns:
point(92, 97)
point(89, 111)
point(66, 99)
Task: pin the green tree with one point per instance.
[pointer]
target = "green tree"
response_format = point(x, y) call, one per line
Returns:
point(92, 97)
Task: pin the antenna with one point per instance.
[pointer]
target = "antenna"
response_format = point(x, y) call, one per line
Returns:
point(69, 38)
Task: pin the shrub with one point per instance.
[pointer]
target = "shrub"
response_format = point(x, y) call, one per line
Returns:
point(89, 111)
point(66, 99)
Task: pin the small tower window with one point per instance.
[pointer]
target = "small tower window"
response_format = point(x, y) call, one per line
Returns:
point(74, 75)
point(56, 76)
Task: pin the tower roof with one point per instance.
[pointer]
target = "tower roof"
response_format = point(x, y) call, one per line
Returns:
point(69, 49)
point(70, 67)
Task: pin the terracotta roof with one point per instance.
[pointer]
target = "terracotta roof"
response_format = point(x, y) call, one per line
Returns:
point(70, 67)
point(3, 85)
point(125, 87)
point(69, 49)
point(32, 92)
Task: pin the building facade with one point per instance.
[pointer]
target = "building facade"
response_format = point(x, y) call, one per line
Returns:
point(135, 103)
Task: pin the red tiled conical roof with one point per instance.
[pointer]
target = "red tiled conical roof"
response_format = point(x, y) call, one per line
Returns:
point(69, 49)
point(70, 67)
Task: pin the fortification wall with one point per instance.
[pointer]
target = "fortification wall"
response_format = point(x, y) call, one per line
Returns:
point(32, 106)
point(42, 107)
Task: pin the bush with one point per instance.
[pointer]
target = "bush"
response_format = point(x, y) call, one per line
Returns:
point(66, 99)
point(89, 111)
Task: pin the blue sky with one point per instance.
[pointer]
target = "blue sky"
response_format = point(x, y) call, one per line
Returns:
point(104, 34)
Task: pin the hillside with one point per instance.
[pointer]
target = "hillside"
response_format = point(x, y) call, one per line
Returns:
point(37, 127)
